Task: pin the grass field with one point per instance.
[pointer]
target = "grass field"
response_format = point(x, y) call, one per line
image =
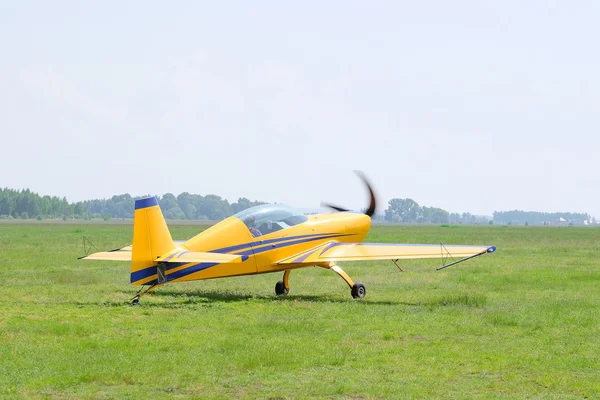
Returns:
point(521, 323)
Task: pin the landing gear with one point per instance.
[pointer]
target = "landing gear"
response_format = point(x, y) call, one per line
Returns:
point(280, 289)
point(283, 287)
point(358, 290)
point(136, 299)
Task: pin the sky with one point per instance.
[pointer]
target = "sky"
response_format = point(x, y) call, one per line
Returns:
point(470, 106)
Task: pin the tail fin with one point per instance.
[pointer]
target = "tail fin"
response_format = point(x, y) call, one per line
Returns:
point(151, 239)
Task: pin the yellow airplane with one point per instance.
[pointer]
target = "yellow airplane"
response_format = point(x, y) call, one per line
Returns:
point(263, 239)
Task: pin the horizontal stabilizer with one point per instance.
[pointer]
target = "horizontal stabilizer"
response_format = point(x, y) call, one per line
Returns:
point(172, 257)
point(117, 255)
point(130, 247)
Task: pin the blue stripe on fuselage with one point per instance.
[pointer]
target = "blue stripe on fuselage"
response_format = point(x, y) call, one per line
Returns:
point(190, 270)
point(264, 245)
point(286, 244)
point(263, 242)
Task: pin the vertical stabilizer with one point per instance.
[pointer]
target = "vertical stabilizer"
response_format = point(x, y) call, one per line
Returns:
point(151, 239)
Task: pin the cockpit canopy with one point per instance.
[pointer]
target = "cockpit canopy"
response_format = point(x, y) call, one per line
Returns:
point(269, 218)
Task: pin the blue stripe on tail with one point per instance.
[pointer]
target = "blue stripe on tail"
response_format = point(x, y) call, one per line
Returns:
point(145, 203)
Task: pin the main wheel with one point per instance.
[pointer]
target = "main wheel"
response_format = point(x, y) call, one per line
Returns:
point(135, 301)
point(359, 290)
point(281, 289)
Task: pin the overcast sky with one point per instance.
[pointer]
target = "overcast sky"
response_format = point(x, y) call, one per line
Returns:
point(465, 105)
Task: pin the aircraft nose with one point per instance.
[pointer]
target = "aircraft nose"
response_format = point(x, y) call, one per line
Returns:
point(359, 225)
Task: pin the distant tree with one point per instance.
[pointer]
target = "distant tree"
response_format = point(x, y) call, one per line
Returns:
point(120, 206)
point(186, 204)
point(455, 218)
point(433, 215)
point(80, 209)
point(467, 218)
point(407, 210)
point(168, 201)
point(215, 208)
point(243, 204)
point(175, 213)
point(170, 207)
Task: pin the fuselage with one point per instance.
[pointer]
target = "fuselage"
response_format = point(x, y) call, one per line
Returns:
point(261, 254)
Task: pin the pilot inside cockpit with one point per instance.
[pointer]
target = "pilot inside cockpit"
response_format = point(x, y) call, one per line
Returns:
point(250, 223)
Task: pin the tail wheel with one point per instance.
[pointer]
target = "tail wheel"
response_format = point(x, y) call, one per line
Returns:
point(280, 288)
point(358, 290)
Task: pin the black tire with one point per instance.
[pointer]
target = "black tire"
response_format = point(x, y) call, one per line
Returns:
point(359, 290)
point(135, 301)
point(280, 289)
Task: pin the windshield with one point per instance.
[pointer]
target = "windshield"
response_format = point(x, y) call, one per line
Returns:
point(269, 218)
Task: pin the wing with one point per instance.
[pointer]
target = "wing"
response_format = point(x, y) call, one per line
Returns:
point(339, 251)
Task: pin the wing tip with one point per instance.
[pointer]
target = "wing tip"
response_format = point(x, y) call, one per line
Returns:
point(491, 249)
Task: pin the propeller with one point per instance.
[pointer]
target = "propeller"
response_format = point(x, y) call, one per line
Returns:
point(373, 203)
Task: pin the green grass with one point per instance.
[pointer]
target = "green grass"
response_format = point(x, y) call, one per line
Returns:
point(524, 322)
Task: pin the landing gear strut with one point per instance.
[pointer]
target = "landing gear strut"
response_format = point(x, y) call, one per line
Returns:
point(282, 287)
point(136, 299)
point(357, 290)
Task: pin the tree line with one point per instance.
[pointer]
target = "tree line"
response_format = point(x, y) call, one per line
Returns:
point(518, 217)
point(409, 211)
point(26, 204)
